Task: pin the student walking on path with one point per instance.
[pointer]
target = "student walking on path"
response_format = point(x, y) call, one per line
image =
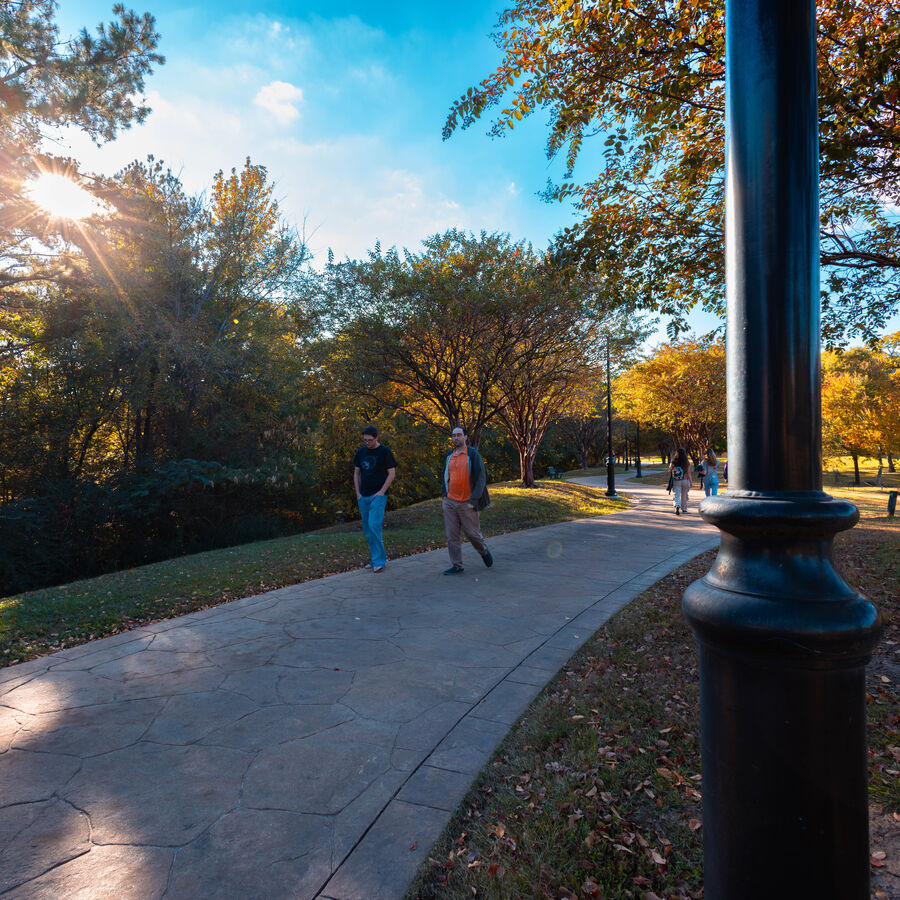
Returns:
point(680, 470)
point(711, 478)
point(464, 492)
point(374, 468)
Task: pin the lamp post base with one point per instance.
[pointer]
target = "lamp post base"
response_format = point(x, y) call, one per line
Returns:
point(783, 646)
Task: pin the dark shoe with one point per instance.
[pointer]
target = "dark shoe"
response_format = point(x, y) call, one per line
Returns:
point(454, 570)
point(487, 558)
point(677, 511)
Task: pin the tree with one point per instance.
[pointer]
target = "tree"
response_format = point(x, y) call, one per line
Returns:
point(581, 423)
point(860, 404)
point(890, 347)
point(466, 332)
point(210, 301)
point(430, 332)
point(680, 389)
point(158, 404)
point(648, 78)
point(552, 359)
point(179, 340)
point(90, 82)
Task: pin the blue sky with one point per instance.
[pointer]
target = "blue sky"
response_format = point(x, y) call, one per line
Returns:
point(344, 109)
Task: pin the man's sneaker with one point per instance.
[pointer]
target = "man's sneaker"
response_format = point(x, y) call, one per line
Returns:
point(377, 569)
point(488, 559)
point(677, 511)
point(454, 570)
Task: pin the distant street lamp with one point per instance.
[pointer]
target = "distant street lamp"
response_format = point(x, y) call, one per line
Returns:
point(783, 639)
point(637, 449)
point(610, 465)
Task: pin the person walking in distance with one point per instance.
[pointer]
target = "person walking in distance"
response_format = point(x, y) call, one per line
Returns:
point(711, 479)
point(374, 468)
point(680, 470)
point(464, 493)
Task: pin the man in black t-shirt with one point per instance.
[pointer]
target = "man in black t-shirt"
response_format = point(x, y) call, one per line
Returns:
point(374, 468)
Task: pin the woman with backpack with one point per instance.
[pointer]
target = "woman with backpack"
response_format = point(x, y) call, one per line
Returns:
point(711, 477)
point(680, 472)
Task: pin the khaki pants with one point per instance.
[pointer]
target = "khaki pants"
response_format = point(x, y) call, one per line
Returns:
point(459, 517)
point(680, 493)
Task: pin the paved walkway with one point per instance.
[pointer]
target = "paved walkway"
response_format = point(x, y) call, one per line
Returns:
point(309, 742)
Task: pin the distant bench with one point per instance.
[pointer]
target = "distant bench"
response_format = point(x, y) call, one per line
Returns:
point(552, 473)
point(839, 479)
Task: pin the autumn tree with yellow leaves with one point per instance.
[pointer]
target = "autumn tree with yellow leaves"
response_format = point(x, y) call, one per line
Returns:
point(861, 403)
point(679, 390)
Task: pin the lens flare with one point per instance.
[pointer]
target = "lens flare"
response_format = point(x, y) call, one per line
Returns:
point(63, 198)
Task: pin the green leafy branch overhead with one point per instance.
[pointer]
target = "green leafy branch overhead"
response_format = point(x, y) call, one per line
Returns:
point(647, 79)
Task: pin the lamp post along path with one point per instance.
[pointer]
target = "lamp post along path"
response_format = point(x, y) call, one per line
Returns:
point(610, 464)
point(637, 450)
point(783, 639)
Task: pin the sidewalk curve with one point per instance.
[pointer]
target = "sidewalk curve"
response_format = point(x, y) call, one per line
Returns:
point(308, 742)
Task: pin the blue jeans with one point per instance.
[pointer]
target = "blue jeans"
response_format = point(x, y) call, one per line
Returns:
point(371, 509)
point(711, 485)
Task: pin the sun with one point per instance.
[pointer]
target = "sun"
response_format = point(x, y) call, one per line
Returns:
point(63, 198)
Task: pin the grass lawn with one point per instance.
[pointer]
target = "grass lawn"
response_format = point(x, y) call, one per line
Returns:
point(840, 469)
point(39, 622)
point(597, 793)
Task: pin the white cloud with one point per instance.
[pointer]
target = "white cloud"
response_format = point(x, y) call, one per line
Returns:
point(280, 98)
point(512, 189)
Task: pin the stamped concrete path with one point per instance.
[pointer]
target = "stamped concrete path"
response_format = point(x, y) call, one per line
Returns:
point(308, 742)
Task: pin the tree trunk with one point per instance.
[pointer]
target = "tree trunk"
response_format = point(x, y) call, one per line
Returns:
point(891, 467)
point(526, 465)
point(856, 480)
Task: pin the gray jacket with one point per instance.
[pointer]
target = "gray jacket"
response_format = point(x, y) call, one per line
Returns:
point(477, 479)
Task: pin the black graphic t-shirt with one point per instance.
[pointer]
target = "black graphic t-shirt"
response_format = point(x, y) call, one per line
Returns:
point(373, 468)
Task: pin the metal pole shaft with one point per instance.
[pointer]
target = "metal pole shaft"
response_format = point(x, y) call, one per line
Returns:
point(637, 449)
point(610, 466)
point(783, 639)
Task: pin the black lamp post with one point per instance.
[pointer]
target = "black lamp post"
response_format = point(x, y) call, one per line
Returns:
point(783, 639)
point(637, 449)
point(627, 449)
point(610, 466)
